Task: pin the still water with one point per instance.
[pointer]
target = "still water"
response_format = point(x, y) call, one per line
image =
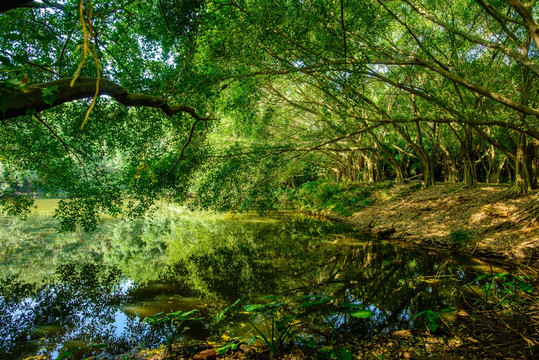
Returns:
point(63, 291)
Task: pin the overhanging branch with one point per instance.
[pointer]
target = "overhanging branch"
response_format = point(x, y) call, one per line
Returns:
point(7, 5)
point(30, 99)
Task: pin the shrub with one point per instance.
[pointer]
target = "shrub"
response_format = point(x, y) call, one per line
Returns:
point(460, 237)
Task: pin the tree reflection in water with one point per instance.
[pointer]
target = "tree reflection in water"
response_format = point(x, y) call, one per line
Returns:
point(99, 288)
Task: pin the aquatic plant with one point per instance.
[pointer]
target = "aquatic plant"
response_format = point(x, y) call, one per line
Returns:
point(276, 322)
point(433, 319)
point(172, 323)
point(503, 289)
point(69, 353)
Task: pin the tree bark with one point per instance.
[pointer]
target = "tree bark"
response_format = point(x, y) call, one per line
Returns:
point(522, 176)
point(470, 172)
point(532, 162)
point(32, 99)
point(7, 5)
point(451, 172)
point(526, 14)
point(428, 167)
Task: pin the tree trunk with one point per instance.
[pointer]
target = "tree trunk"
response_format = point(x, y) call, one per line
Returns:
point(370, 170)
point(532, 162)
point(451, 171)
point(522, 175)
point(399, 174)
point(492, 169)
point(470, 172)
point(428, 171)
point(522, 183)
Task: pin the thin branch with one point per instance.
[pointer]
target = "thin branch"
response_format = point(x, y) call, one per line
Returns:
point(66, 147)
point(343, 29)
point(187, 142)
point(33, 64)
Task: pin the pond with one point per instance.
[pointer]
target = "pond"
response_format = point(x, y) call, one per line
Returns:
point(63, 291)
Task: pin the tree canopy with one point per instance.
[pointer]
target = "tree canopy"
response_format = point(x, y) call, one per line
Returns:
point(237, 100)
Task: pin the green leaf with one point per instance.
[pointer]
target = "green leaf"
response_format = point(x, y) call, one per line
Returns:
point(21, 58)
point(47, 94)
point(311, 343)
point(68, 354)
point(361, 314)
point(345, 355)
point(252, 340)
point(253, 307)
point(6, 62)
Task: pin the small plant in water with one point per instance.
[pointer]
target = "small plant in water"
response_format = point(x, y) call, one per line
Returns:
point(276, 324)
point(69, 353)
point(503, 289)
point(433, 319)
point(273, 328)
point(172, 323)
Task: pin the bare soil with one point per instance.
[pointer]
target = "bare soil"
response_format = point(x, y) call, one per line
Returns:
point(481, 221)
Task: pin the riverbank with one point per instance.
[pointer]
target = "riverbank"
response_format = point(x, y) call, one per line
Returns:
point(486, 314)
point(484, 221)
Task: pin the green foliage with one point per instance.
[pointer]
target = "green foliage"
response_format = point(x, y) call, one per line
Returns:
point(433, 319)
point(277, 322)
point(222, 313)
point(342, 199)
point(71, 353)
point(172, 323)
point(274, 327)
point(503, 289)
point(289, 103)
point(48, 94)
point(12, 204)
point(460, 237)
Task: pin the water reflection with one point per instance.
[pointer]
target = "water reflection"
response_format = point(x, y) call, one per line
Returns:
point(58, 293)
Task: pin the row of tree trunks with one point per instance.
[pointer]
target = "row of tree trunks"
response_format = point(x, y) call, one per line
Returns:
point(521, 166)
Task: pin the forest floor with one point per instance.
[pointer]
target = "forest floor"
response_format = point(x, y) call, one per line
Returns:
point(484, 221)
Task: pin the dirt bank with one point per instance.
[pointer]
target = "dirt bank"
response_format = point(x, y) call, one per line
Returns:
point(481, 221)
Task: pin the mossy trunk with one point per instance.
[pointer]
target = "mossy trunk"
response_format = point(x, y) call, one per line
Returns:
point(533, 162)
point(399, 174)
point(522, 184)
point(470, 171)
